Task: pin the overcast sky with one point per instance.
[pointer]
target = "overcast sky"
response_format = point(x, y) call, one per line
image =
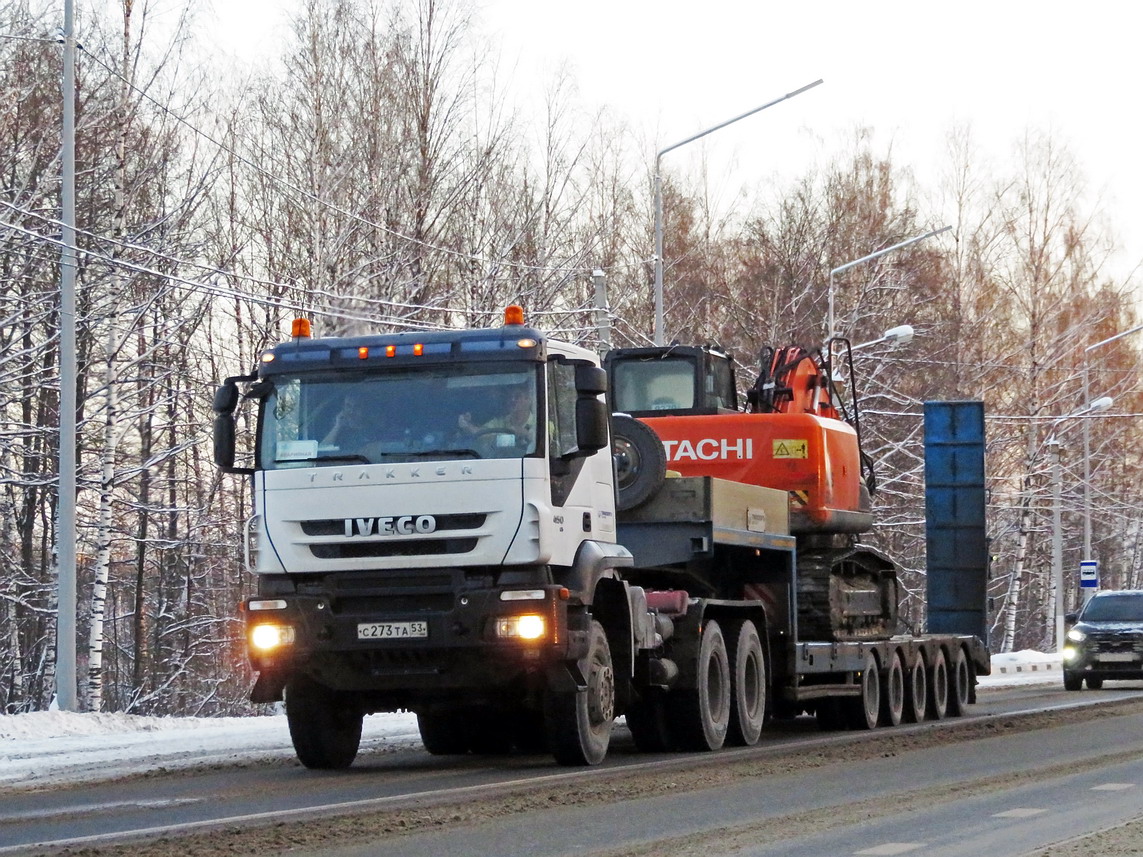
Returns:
point(910, 71)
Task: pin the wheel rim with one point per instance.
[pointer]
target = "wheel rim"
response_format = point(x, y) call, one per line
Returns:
point(627, 462)
point(601, 695)
point(750, 696)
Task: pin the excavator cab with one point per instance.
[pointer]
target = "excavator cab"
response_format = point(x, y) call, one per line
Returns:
point(673, 380)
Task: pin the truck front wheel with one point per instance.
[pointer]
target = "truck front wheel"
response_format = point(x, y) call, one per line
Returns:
point(325, 727)
point(579, 723)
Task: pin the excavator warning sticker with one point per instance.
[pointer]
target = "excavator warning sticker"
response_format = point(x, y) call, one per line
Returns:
point(791, 449)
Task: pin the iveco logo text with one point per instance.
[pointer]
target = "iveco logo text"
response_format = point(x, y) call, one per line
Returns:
point(709, 449)
point(405, 525)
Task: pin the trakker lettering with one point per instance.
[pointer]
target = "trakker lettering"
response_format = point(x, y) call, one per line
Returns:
point(709, 449)
point(405, 525)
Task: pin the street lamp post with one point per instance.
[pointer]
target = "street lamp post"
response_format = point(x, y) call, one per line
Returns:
point(830, 332)
point(659, 323)
point(1087, 437)
point(1100, 404)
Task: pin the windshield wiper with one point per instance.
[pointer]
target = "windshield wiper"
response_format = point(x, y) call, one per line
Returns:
point(341, 457)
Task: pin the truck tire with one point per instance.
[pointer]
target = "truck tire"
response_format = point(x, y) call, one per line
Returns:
point(649, 723)
point(578, 723)
point(960, 683)
point(325, 727)
point(747, 687)
point(700, 716)
point(893, 692)
point(864, 711)
point(1073, 681)
point(443, 731)
point(917, 692)
point(640, 461)
point(938, 687)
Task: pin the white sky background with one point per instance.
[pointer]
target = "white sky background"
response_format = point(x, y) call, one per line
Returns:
point(910, 71)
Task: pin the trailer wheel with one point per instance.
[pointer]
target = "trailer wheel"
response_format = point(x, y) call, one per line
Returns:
point(325, 727)
point(864, 710)
point(938, 687)
point(578, 723)
point(893, 692)
point(640, 461)
point(648, 721)
point(748, 687)
point(962, 681)
point(700, 717)
point(918, 692)
point(443, 731)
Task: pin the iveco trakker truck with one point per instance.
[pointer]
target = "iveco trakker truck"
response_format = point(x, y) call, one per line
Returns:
point(456, 524)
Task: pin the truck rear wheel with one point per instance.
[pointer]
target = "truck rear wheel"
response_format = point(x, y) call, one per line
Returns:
point(864, 710)
point(325, 726)
point(700, 716)
point(578, 723)
point(961, 683)
point(938, 687)
point(917, 695)
point(893, 692)
point(748, 687)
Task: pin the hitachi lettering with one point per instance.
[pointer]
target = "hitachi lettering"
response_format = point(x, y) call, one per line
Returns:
point(406, 525)
point(709, 449)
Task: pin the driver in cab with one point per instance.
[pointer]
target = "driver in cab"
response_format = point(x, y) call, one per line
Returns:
point(516, 417)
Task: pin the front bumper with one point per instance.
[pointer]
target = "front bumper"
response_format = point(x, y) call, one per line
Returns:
point(451, 644)
point(1102, 660)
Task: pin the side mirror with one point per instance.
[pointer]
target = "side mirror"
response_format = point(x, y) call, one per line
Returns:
point(226, 398)
point(1071, 618)
point(590, 380)
point(591, 424)
point(224, 438)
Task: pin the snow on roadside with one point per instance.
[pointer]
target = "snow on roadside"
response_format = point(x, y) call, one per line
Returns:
point(52, 747)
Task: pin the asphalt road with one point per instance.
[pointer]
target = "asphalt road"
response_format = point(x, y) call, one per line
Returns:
point(993, 788)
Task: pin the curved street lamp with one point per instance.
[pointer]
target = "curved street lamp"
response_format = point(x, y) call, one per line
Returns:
point(659, 325)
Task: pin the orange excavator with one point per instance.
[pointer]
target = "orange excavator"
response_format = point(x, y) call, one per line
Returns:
point(795, 435)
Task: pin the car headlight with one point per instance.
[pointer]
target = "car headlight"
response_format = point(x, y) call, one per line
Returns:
point(1071, 653)
point(268, 638)
point(528, 626)
point(1076, 635)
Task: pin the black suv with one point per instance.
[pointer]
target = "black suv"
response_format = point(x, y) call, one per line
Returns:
point(1105, 641)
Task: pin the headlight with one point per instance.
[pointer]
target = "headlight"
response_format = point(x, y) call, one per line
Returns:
point(1076, 635)
point(526, 627)
point(268, 638)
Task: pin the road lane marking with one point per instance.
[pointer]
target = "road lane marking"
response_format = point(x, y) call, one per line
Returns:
point(889, 848)
point(1019, 812)
point(1113, 787)
point(94, 808)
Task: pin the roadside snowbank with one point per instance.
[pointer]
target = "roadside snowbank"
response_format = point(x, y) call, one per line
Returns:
point(51, 747)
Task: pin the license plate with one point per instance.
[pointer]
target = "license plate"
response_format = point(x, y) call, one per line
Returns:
point(392, 630)
point(1118, 657)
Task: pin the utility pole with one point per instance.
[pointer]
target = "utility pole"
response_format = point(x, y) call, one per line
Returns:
point(66, 684)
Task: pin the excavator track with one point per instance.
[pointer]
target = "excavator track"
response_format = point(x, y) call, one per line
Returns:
point(846, 594)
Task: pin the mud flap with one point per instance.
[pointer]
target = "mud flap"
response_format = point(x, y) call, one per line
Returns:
point(268, 687)
point(566, 677)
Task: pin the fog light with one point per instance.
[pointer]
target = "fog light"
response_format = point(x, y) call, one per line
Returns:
point(267, 638)
point(1071, 653)
point(526, 627)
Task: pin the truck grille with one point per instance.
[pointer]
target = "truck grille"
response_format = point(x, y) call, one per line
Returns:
point(336, 526)
point(411, 547)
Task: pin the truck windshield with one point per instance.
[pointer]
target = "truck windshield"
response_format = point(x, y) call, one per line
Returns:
point(454, 412)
